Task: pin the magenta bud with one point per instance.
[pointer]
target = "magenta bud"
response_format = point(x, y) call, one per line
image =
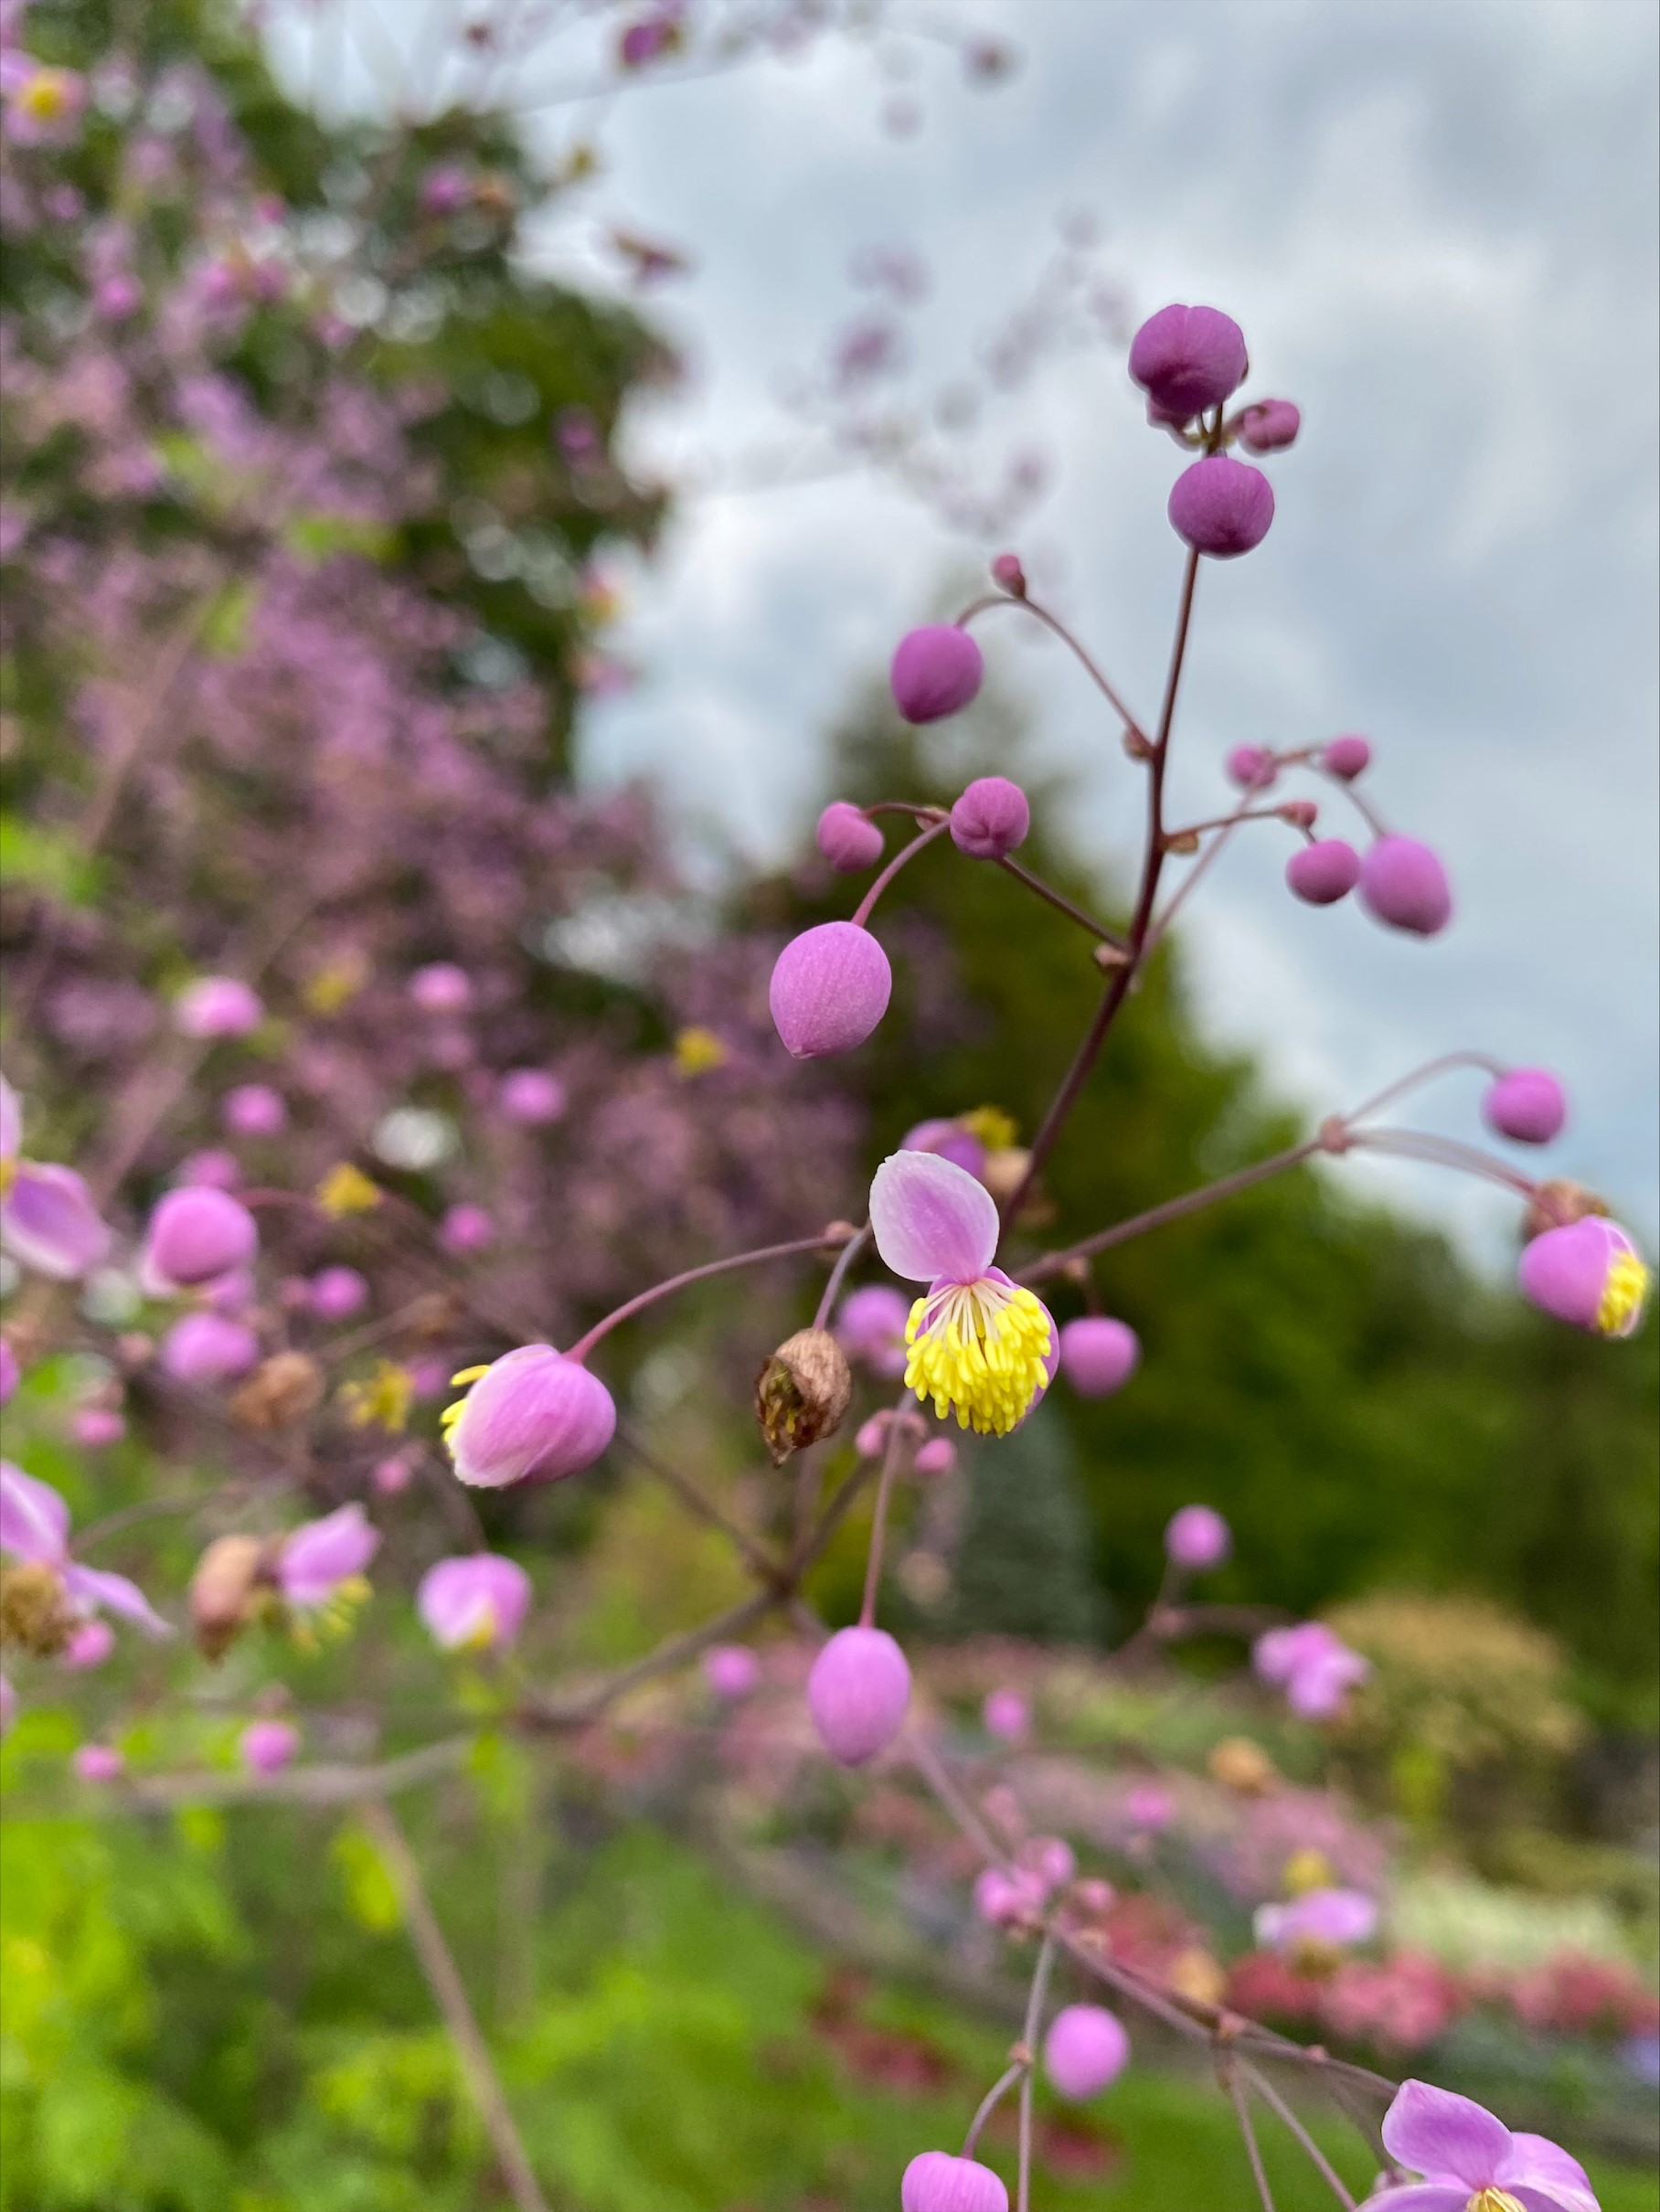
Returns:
point(93, 1426)
point(1187, 359)
point(267, 1746)
point(1221, 506)
point(858, 1693)
point(937, 1456)
point(1196, 1539)
point(1268, 426)
point(442, 988)
point(1528, 1105)
point(990, 819)
point(950, 1141)
point(848, 839)
point(466, 1228)
point(1347, 757)
point(213, 1170)
point(10, 1373)
point(89, 1645)
point(936, 671)
point(870, 1438)
point(1302, 813)
point(207, 1349)
point(337, 1293)
point(476, 1602)
point(830, 988)
point(217, 1005)
point(1003, 1899)
point(1322, 874)
point(1007, 573)
point(1587, 1274)
point(870, 1327)
point(531, 1096)
point(1250, 767)
point(731, 1670)
point(392, 1477)
point(1085, 2048)
point(532, 1414)
point(97, 1762)
point(1098, 1356)
point(936, 2181)
point(194, 1235)
point(254, 1110)
point(1007, 1714)
point(1403, 884)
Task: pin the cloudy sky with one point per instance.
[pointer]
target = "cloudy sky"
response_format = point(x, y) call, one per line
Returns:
point(1436, 221)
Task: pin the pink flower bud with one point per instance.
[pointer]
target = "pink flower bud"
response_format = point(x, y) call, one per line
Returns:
point(475, 1602)
point(1007, 573)
point(194, 1235)
point(267, 1746)
point(858, 1693)
point(1007, 1714)
point(9, 1372)
point(1322, 874)
point(1302, 813)
point(731, 1670)
point(848, 839)
point(870, 1438)
point(466, 1228)
point(1347, 757)
point(870, 1328)
point(254, 1110)
point(89, 1645)
point(1221, 506)
point(1149, 1807)
point(1051, 1860)
point(1250, 767)
point(1003, 1899)
point(1268, 426)
point(937, 670)
point(442, 988)
point(1196, 1539)
point(217, 1005)
point(337, 1293)
point(93, 1426)
point(936, 2181)
point(937, 1456)
point(990, 819)
point(950, 1141)
point(533, 1414)
point(212, 1170)
point(319, 1556)
point(1189, 358)
point(1085, 2048)
point(531, 1096)
point(1098, 1356)
point(830, 988)
point(1588, 1274)
point(1526, 1105)
point(97, 1762)
point(1403, 884)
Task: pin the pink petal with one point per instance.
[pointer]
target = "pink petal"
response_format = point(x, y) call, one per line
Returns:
point(50, 1224)
point(11, 1122)
point(1444, 2136)
point(34, 1520)
point(1542, 2175)
point(1422, 2197)
point(320, 1555)
point(931, 1220)
point(90, 1586)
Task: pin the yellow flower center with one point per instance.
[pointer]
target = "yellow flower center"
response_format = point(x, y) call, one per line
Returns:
point(1622, 1296)
point(46, 95)
point(9, 1176)
point(696, 1050)
point(1494, 2200)
point(1305, 1870)
point(345, 1190)
point(380, 1401)
point(451, 1414)
point(978, 1349)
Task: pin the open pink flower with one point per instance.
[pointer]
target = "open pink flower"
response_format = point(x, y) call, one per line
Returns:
point(35, 1528)
point(1322, 1918)
point(473, 1603)
point(981, 1345)
point(319, 1558)
point(1315, 1668)
point(47, 1219)
point(532, 1414)
point(1470, 2162)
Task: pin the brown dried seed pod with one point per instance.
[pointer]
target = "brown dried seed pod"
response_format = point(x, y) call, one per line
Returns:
point(1240, 1764)
point(1556, 1203)
point(223, 1589)
point(801, 1392)
point(281, 1391)
point(34, 1615)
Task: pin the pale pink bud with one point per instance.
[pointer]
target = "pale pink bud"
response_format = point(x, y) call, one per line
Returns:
point(937, 670)
point(9, 1372)
point(1007, 573)
point(1404, 885)
point(870, 1438)
point(320, 1555)
point(858, 1693)
point(937, 1456)
point(1252, 767)
point(89, 1645)
point(217, 1005)
point(1052, 1860)
point(870, 1328)
point(990, 819)
point(1007, 1714)
point(1221, 506)
point(1005, 1898)
point(1098, 1356)
point(1268, 426)
point(533, 1414)
point(194, 1235)
point(442, 988)
point(475, 1602)
point(337, 1293)
point(1197, 1538)
point(961, 1146)
point(213, 1170)
point(1322, 873)
point(97, 1762)
point(1347, 757)
point(1188, 360)
point(531, 1096)
point(267, 1746)
point(731, 1670)
point(392, 1477)
point(1528, 1105)
point(1302, 813)
point(93, 1426)
point(254, 1110)
point(466, 1228)
point(848, 839)
point(936, 2181)
point(1149, 1807)
point(830, 988)
point(1085, 2048)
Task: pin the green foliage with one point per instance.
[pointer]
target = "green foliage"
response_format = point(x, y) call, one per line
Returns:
point(1024, 1566)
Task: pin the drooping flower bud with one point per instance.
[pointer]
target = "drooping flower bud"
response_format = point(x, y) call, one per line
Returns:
point(990, 819)
point(1347, 757)
point(215, 1007)
point(1250, 767)
point(936, 2181)
point(1324, 872)
point(531, 1414)
point(337, 1293)
point(1008, 574)
point(442, 988)
point(282, 1391)
point(531, 1097)
point(802, 1393)
point(848, 838)
point(1221, 506)
point(466, 1228)
point(731, 1670)
point(937, 670)
point(858, 1693)
point(937, 1456)
point(830, 988)
point(90, 1645)
point(1528, 1105)
point(194, 1235)
point(1098, 1356)
point(254, 1110)
point(1007, 1716)
point(207, 1349)
point(223, 1591)
point(1197, 1538)
point(1188, 360)
point(473, 1603)
point(1404, 885)
point(1587, 1274)
point(870, 1328)
point(1085, 2048)
point(1268, 426)
point(266, 1747)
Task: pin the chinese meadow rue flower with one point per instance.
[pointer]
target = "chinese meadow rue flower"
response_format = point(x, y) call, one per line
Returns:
point(88, 1646)
point(216, 1006)
point(321, 1559)
point(1320, 1921)
point(1007, 1714)
point(194, 1235)
point(532, 1414)
point(214, 1170)
point(1221, 506)
point(35, 1528)
point(1322, 873)
point(96, 1426)
point(1197, 1538)
point(830, 987)
point(1005, 1899)
point(47, 1220)
point(254, 1110)
point(1404, 885)
point(858, 1693)
point(442, 988)
point(1085, 2048)
point(981, 1346)
point(267, 1746)
point(475, 1603)
point(951, 1141)
point(1314, 1667)
point(1587, 1273)
point(531, 1096)
point(466, 1228)
point(43, 104)
point(1188, 360)
point(1250, 767)
point(936, 671)
point(1347, 757)
point(1526, 1104)
point(1470, 2162)
point(936, 2181)
point(848, 838)
point(1268, 426)
point(97, 1762)
point(990, 819)
point(336, 1293)
point(937, 1456)
point(1098, 1356)
point(731, 1670)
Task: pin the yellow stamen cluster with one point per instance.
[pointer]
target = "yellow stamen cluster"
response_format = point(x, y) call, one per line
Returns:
point(696, 1050)
point(46, 96)
point(346, 1190)
point(451, 1414)
point(1494, 2200)
point(334, 1619)
point(9, 1176)
point(1622, 1295)
point(382, 1400)
point(996, 1130)
point(978, 1349)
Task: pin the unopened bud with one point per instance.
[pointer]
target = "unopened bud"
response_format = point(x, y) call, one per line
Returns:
point(1302, 813)
point(1137, 746)
point(1005, 1171)
point(282, 1391)
point(1556, 1204)
point(35, 1616)
point(223, 1591)
point(1008, 572)
point(1182, 841)
point(802, 1393)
